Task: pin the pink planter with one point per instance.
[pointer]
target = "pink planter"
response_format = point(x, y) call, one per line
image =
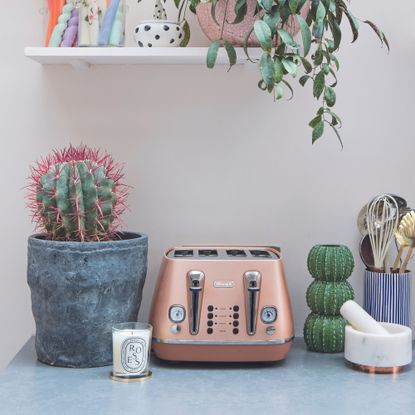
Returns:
point(236, 33)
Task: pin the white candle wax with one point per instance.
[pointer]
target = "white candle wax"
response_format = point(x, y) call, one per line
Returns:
point(131, 349)
point(360, 320)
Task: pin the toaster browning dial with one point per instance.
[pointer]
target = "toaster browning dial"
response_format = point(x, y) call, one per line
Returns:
point(177, 313)
point(268, 314)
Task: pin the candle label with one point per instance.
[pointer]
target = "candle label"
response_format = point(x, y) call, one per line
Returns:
point(133, 354)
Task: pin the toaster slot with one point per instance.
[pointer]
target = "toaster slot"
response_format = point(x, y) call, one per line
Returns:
point(252, 286)
point(259, 253)
point(208, 252)
point(236, 252)
point(195, 285)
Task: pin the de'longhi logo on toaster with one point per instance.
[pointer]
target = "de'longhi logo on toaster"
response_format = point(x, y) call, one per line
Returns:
point(224, 284)
point(133, 356)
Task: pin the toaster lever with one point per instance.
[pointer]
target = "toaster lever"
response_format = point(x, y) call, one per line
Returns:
point(195, 285)
point(252, 285)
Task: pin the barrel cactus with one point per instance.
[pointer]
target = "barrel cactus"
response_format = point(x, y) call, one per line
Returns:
point(77, 194)
point(330, 265)
point(324, 333)
point(327, 297)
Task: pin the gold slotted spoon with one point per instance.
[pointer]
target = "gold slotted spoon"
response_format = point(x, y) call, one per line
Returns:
point(403, 242)
point(407, 229)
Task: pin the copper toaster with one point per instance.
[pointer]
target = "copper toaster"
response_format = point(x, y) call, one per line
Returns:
point(222, 303)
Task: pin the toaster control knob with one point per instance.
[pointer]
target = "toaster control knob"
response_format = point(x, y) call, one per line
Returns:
point(270, 330)
point(175, 328)
point(268, 314)
point(177, 313)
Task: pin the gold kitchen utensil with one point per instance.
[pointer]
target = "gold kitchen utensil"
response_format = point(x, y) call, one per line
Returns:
point(407, 229)
point(403, 242)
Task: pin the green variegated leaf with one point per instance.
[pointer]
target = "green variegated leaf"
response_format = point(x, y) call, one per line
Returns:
point(318, 57)
point(212, 54)
point(335, 78)
point(335, 60)
point(293, 5)
point(330, 96)
point(287, 84)
point(266, 4)
point(290, 67)
point(379, 33)
point(241, 9)
point(305, 34)
point(247, 36)
point(307, 65)
point(230, 50)
point(273, 19)
point(315, 121)
point(318, 131)
point(318, 29)
point(279, 92)
point(325, 68)
point(354, 24)
point(264, 35)
point(186, 38)
point(266, 66)
point(319, 83)
point(320, 12)
point(336, 120)
point(278, 70)
point(303, 80)
point(287, 39)
point(336, 31)
point(213, 11)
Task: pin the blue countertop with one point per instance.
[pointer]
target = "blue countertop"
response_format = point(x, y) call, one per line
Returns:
point(305, 383)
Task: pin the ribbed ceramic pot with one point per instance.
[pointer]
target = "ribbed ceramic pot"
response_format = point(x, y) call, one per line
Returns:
point(387, 297)
point(236, 33)
point(79, 291)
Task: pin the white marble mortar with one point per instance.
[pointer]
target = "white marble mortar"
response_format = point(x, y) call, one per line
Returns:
point(377, 350)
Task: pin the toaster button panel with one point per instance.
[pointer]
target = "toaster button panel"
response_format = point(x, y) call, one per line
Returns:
point(268, 314)
point(177, 313)
point(222, 319)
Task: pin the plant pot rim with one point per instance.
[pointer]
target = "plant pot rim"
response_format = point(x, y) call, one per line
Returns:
point(127, 239)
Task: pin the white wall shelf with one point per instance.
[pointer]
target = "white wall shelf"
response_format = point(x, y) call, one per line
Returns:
point(85, 57)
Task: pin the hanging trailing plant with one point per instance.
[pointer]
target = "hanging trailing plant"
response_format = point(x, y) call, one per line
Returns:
point(283, 57)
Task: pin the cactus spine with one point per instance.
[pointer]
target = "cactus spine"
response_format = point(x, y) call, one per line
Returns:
point(330, 265)
point(76, 195)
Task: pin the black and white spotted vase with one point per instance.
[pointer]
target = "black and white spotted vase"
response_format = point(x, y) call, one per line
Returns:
point(158, 33)
point(387, 297)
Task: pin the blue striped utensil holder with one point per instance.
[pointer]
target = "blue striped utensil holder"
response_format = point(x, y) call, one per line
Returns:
point(387, 297)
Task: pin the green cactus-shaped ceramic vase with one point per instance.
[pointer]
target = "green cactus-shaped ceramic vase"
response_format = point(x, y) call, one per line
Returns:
point(330, 266)
point(324, 333)
point(326, 298)
point(331, 263)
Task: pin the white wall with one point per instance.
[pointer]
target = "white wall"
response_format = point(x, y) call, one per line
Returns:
point(211, 158)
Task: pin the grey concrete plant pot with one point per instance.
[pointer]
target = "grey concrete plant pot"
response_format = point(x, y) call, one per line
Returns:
point(79, 291)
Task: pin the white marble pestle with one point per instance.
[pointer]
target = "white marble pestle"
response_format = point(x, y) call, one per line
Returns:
point(360, 320)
